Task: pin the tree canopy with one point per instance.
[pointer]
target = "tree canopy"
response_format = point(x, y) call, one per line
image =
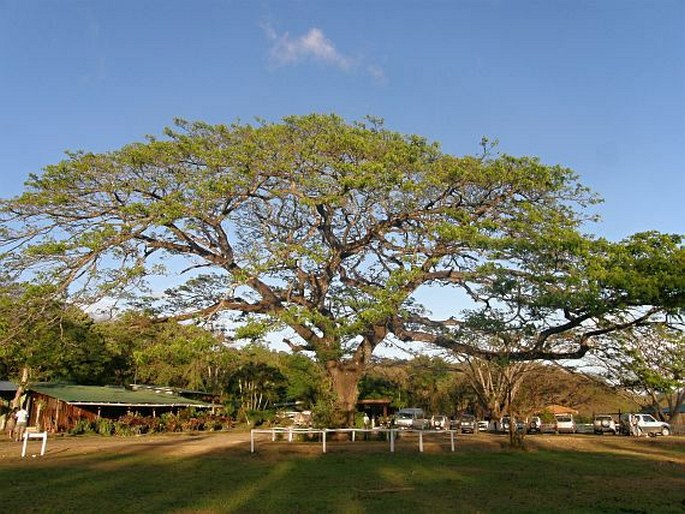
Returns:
point(323, 227)
point(44, 338)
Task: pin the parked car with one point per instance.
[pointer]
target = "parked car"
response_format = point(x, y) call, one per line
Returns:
point(564, 423)
point(483, 425)
point(535, 424)
point(411, 417)
point(647, 424)
point(506, 421)
point(421, 424)
point(440, 422)
point(467, 423)
point(604, 423)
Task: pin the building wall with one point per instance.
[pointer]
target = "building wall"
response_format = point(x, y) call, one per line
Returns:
point(55, 415)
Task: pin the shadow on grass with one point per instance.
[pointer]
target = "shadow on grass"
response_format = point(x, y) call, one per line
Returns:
point(298, 478)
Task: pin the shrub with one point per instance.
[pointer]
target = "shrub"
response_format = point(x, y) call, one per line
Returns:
point(132, 424)
point(325, 414)
point(82, 426)
point(104, 426)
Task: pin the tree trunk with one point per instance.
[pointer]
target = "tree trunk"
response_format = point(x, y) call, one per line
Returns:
point(22, 387)
point(345, 378)
point(516, 438)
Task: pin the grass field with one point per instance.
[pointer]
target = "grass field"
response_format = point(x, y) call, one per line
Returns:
point(217, 473)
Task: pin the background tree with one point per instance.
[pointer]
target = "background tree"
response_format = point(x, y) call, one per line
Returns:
point(167, 353)
point(256, 386)
point(305, 381)
point(427, 382)
point(43, 340)
point(496, 384)
point(649, 361)
point(259, 379)
point(316, 225)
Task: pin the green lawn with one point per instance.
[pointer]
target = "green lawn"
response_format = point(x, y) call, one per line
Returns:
point(279, 478)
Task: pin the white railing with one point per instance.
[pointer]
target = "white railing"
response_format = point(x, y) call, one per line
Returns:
point(323, 432)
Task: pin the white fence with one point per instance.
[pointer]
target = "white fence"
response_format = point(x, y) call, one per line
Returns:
point(391, 434)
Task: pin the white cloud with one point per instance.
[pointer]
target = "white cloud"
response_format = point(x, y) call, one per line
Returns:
point(313, 45)
point(377, 73)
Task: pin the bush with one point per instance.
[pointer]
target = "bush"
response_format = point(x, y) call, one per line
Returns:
point(104, 426)
point(82, 426)
point(325, 414)
point(188, 420)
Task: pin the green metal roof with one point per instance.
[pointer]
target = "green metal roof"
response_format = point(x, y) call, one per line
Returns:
point(7, 386)
point(111, 395)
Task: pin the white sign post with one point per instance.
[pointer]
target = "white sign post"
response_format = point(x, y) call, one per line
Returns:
point(35, 435)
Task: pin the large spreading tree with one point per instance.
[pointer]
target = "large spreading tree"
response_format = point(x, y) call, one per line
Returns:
point(312, 225)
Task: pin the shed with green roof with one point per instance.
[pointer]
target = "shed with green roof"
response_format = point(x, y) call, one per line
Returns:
point(57, 407)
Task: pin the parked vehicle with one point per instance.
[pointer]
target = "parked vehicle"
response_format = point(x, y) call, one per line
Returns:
point(646, 423)
point(506, 421)
point(421, 424)
point(440, 422)
point(468, 424)
point(535, 424)
point(483, 425)
point(565, 424)
point(411, 417)
point(604, 423)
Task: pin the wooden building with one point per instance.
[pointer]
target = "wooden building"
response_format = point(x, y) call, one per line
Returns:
point(58, 407)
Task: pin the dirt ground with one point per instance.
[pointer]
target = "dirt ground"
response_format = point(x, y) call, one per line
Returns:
point(671, 449)
point(166, 444)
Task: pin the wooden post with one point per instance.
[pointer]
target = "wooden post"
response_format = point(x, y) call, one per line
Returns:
point(252, 441)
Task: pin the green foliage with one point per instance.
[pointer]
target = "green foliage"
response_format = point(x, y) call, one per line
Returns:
point(426, 382)
point(256, 386)
point(187, 420)
point(104, 426)
point(54, 339)
point(325, 413)
point(650, 361)
point(167, 354)
point(304, 378)
point(82, 426)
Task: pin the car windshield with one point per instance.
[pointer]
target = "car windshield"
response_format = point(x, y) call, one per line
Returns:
point(565, 419)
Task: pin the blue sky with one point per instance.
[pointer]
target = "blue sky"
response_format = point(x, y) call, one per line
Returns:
point(596, 86)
